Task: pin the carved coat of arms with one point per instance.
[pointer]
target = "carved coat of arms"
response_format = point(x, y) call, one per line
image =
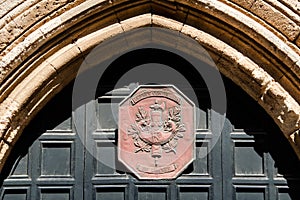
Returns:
point(156, 132)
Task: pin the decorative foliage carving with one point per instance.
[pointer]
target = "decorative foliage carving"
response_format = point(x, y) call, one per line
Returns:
point(151, 129)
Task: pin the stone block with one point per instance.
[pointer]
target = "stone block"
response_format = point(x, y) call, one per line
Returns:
point(293, 4)
point(291, 86)
point(277, 19)
point(282, 107)
point(298, 41)
point(133, 10)
point(91, 40)
point(38, 11)
point(234, 72)
point(166, 23)
point(4, 150)
point(135, 22)
point(244, 3)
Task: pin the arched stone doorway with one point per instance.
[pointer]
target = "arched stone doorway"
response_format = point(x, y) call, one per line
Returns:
point(258, 50)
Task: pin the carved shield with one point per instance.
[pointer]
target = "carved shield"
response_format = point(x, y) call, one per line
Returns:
point(156, 132)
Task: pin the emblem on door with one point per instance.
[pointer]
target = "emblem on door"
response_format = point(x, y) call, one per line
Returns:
point(156, 137)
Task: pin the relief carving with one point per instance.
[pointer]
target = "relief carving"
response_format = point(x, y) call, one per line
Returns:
point(156, 135)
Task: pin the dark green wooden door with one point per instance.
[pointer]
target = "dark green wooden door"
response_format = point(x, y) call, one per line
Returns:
point(250, 161)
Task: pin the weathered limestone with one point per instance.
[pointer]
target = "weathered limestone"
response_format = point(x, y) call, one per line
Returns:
point(4, 152)
point(282, 21)
point(254, 43)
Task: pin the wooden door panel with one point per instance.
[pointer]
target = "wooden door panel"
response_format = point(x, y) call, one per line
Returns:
point(194, 193)
point(106, 158)
point(57, 165)
point(15, 193)
point(22, 168)
point(201, 164)
point(246, 161)
point(55, 193)
point(113, 192)
point(283, 193)
point(57, 159)
point(152, 193)
point(245, 193)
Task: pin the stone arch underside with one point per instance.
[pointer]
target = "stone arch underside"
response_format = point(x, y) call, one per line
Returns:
point(42, 44)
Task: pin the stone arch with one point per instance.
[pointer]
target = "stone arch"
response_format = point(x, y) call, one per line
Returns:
point(42, 49)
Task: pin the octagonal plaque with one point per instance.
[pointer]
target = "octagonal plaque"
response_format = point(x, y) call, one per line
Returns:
point(156, 132)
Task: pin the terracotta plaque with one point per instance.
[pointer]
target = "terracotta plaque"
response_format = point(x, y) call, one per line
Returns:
point(156, 132)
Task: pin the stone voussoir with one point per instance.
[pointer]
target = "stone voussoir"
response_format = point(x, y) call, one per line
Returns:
point(278, 20)
point(286, 110)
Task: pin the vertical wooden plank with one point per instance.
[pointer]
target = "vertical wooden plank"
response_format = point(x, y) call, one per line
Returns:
point(79, 165)
point(132, 193)
point(173, 191)
point(216, 156)
point(227, 161)
point(89, 162)
point(35, 169)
